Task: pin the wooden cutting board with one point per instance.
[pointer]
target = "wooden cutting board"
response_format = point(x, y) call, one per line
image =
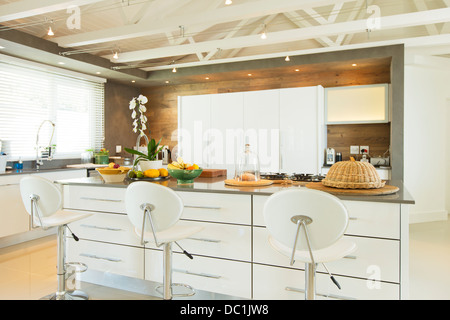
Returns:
point(387, 189)
point(260, 183)
point(212, 173)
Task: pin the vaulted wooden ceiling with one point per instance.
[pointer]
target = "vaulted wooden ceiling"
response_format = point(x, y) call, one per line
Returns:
point(153, 35)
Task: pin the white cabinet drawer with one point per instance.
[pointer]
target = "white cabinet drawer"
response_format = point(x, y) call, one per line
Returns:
point(373, 257)
point(289, 284)
point(100, 199)
point(258, 207)
point(216, 207)
point(62, 174)
point(107, 227)
point(202, 273)
point(108, 258)
point(219, 240)
point(371, 219)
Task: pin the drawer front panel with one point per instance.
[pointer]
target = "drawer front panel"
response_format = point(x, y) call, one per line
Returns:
point(217, 240)
point(372, 219)
point(108, 227)
point(216, 207)
point(373, 257)
point(105, 257)
point(289, 284)
point(101, 199)
point(214, 275)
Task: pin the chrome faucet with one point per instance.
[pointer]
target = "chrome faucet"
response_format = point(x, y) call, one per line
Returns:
point(38, 155)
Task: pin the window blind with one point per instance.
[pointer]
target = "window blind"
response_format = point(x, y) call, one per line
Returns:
point(29, 96)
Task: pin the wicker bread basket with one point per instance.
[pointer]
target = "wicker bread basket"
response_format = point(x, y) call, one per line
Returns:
point(353, 175)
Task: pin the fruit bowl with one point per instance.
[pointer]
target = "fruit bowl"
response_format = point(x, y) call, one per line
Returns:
point(111, 175)
point(185, 176)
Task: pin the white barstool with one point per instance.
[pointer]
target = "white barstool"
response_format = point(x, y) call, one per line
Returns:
point(154, 211)
point(324, 219)
point(43, 201)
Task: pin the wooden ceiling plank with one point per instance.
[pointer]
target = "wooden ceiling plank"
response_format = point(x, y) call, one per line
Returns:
point(387, 22)
point(28, 8)
point(171, 23)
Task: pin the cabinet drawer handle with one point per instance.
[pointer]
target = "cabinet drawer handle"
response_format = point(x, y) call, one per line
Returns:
point(99, 199)
point(204, 240)
point(203, 207)
point(93, 256)
point(350, 257)
point(352, 218)
point(334, 296)
point(9, 184)
point(102, 228)
point(205, 275)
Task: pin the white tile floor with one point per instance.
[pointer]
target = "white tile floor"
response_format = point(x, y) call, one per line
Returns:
point(27, 270)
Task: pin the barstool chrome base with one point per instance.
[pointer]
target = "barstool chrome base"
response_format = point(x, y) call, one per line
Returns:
point(188, 294)
point(68, 295)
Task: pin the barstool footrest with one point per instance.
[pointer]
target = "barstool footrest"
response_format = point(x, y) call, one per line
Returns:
point(68, 295)
point(189, 294)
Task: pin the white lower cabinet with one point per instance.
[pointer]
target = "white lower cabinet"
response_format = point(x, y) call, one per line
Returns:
point(203, 273)
point(372, 258)
point(109, 258)
point(277, 283)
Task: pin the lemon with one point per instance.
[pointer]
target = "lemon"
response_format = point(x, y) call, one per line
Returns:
point(151, 173)
point(195, 166)
point(163, 172)
point(111, 165)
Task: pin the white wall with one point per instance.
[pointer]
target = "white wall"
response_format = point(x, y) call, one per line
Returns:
point(426, 138)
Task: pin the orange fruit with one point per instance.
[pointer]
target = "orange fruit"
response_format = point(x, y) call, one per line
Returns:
point(163, 172)
point(151, 173)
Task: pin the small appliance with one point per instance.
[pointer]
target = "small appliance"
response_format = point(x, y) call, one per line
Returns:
point(331, 156)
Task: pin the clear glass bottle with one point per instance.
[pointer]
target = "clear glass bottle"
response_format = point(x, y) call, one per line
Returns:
point(247, 168)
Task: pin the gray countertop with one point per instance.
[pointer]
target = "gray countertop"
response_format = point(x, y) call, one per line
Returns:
point(217, 185)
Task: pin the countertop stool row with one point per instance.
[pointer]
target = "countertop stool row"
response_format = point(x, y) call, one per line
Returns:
point(305, 225)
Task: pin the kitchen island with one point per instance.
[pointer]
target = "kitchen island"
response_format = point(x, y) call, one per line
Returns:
point(232, 255)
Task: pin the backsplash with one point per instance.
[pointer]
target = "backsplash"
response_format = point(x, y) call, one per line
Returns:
point(375, 135)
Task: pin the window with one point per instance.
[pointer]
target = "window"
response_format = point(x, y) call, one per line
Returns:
point(30, 94)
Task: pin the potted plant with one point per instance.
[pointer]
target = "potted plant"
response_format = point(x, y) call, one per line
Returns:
point(102, 157)
point(149, 160)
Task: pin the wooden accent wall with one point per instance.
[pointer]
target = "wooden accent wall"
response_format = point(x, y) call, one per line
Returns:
point(375, 135)
point(163, 101)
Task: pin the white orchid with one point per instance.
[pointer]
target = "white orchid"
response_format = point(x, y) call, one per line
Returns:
point(139, 123)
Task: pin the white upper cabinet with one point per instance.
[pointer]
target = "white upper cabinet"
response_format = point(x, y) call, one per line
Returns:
point(284, 127)
point(301, 129)
point(194, 120)
point(226, 132)
point(261, 127)
point(357, 104)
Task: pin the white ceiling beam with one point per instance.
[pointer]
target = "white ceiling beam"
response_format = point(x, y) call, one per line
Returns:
point(201, 18)
point(422, 6)
point(357, 13)
point(386, 23)
point(28, 8)
point(257, 30)
point(408, 42)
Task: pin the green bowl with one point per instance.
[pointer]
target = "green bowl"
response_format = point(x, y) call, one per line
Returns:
point(185, 176)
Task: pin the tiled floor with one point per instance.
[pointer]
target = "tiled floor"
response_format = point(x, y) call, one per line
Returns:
point(27, 270)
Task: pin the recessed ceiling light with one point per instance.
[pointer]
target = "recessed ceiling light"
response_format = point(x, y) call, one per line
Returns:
point(354, 65)
point(228, 2)
point(98, 72)
point(249, 74)
point(287, 58)
point(61, 62)
point(167, 81)
point(297, 70)
point(133, 81)
point(207, 78)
